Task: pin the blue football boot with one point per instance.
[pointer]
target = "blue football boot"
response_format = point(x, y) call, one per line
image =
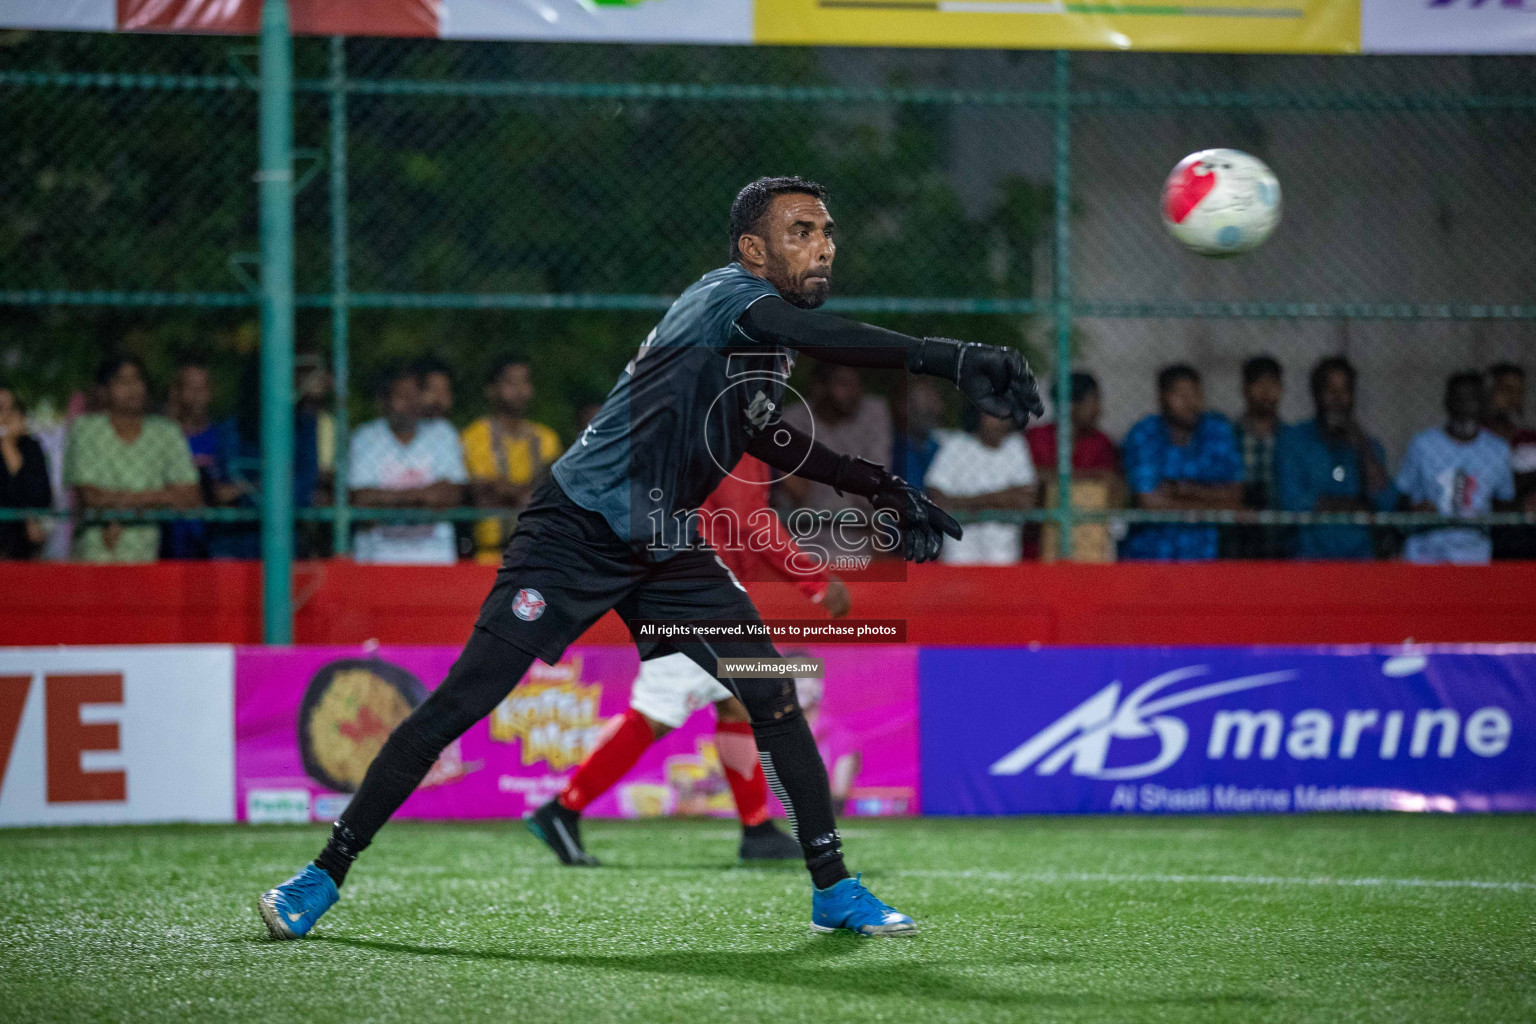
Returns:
point(292, 909)
point(849, 905)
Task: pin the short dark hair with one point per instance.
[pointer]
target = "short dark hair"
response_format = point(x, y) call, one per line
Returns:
point(1330, 365)
point(1498, 371)
point(391, 375)
point(1168, 376)
point(1462, 378)
point(1260, 367)
point(429, 364)
point(108, 367)
point(1083, 385)
point(502, 362)
point(753, 201)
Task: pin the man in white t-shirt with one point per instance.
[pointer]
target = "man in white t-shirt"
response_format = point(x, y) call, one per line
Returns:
point(402, 461)
point(987, 468)
point(1459, 469)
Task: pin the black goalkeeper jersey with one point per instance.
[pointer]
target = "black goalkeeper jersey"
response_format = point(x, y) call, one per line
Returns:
point(680, 417)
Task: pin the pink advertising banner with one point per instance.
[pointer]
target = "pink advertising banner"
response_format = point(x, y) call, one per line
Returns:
point(308, 721)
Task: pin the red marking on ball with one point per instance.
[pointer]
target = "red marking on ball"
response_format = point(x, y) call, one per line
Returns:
point(1187, 185)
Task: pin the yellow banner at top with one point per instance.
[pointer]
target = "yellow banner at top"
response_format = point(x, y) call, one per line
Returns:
point(1228, 26)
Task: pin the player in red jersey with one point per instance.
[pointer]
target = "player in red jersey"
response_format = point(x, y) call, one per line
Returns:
point(671, 686)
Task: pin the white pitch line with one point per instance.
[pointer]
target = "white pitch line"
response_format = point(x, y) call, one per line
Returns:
point(1256, 880)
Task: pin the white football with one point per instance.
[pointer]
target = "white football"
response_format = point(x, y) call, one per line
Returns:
point(1221, 202)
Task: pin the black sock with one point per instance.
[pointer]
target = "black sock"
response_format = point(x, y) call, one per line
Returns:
point(764, 828)
point(828, 869)
point(483, 674)
point(339, 853)
point(798, 778)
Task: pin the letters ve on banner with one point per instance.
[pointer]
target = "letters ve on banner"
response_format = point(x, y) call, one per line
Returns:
point(1235, 26)
point(116, 734)
point(1210, 730)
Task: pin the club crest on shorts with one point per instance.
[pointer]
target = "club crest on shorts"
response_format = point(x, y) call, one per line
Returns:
point(528, 604)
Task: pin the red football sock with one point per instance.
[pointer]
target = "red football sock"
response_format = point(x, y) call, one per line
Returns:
point(738, 756)
point(617, 750)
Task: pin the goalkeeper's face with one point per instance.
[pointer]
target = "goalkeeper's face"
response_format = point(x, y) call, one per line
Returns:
point(797, 249)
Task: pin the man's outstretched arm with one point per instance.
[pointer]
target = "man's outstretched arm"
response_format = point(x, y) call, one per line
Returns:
point(996, 379)
point(922, 523)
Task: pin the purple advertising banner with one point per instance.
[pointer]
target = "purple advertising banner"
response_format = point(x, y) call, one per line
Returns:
point(309, 720)
point(1227, 729)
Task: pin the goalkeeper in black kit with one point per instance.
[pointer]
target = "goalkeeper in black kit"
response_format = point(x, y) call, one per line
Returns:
point(706, 387)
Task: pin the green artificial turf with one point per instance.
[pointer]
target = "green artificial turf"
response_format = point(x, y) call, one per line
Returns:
point(1355, 918)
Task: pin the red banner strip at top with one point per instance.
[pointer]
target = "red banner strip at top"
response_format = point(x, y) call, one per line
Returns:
point(310, 17)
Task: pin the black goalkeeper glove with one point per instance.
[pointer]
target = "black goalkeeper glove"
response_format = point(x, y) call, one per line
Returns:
point(922, 523)
point(996, 379)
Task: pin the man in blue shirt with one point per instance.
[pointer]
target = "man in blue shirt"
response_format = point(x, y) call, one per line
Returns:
point(1329, 464)
point(1181, 458)
point(915, 446)
point(212, 444)
point(1457, 470)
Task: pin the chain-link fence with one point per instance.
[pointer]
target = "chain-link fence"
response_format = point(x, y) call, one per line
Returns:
point(460, 200)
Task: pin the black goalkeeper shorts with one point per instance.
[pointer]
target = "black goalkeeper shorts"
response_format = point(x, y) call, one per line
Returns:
point(565, 568)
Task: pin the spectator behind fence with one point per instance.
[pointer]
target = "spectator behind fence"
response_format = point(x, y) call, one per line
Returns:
point(124, 459)
point(506, 453)
point(1330, 464)
point(1506, 417)
point(1457, 470)
point(49, 426)
point(846, 420)
point(1095, 464)
point(403, 461)
point(23, 481)
point(314, 432)
point(212, 445)
point(1257, 431)
point(1180, 458)
point(436, 379)
point(986, 467)
point(1094, 455)
point(916, 441)
point(437, 391)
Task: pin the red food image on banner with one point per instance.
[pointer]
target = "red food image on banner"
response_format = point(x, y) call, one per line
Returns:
point(365, 725)
point(1189, 183)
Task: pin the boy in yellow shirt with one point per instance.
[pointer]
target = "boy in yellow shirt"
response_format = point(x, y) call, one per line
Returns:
point(506, 453)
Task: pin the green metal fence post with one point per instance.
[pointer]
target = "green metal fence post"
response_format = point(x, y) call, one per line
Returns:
point(1061, 295)
point(341, 356)
point(275, 183)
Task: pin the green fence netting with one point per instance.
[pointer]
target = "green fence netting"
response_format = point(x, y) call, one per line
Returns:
point(461, 199)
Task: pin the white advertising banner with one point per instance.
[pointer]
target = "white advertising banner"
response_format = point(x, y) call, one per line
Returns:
point(1448, 26)
point(635, 21)
point(113, 735)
